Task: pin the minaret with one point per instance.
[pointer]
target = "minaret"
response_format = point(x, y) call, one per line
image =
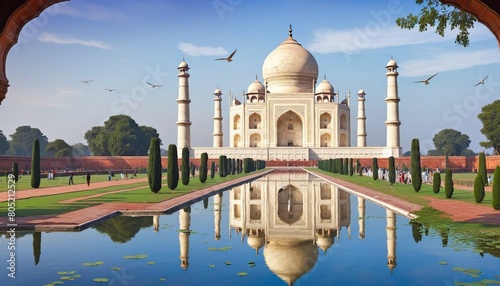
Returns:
point(183, 123)
point(361, 119)
point(217, 118)
point(217, 214)
point(392, 100)
point(391, 238)
point(361, 217)
point(184, 225)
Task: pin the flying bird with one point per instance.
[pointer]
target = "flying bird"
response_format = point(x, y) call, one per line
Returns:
point(111, 90)
point(229, 59)
point(87, 81)
point(426, 81)
point(153, 85)
point(482, 81)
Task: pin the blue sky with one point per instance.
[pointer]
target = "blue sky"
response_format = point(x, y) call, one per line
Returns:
point(122, 44)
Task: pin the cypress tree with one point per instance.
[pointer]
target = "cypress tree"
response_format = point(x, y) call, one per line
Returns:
point(392, 171)
point(436, 182)
point(375, 168)
point(482, 168)
point(203, 168)
point(346, 166)
point(212, 170)
point(173, 167)
point(495, 190)
point(192, 167)
point(448, 184)
point(185, 166)
point(35, 165)
point(154, 165)
point(37, 246)
point(351, 167)
point(15, 171)
point(247, 168)
point(332, 165)
point(222, 166)
point(416, 170)
point(479, 188)
point(233, 166)
point(358, 168)
point(229, 167)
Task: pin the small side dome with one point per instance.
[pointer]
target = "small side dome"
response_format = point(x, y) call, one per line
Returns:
point(392, 63)
point(256, 87)
point(324, 87)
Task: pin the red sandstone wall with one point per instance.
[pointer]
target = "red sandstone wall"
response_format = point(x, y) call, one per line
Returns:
point(457, 163)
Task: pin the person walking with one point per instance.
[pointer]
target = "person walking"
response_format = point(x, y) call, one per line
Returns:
point(71, 179)
point(88, 179)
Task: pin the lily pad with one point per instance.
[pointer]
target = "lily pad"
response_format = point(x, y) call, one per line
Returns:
point(242, 273)
point(211, 265)
point(151, 262)
point(50, 284)
point(115, 268)
point(213, 248)
point(101, 280)
point(227, 263)
point(163, 279)
point(138, 256)
point(66, 278)
point(443, 263)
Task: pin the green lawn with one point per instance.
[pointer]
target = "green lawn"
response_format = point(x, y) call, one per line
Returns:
point(24, 182)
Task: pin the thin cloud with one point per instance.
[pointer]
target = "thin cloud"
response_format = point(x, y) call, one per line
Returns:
point(448, 61)
point(195, 51)
point(355, 40)
point(93, 12)
point(51, 38)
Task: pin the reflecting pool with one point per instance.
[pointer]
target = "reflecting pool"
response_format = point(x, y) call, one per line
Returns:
point(284, 228)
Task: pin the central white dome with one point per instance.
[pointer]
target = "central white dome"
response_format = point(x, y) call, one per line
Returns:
point(290, 68)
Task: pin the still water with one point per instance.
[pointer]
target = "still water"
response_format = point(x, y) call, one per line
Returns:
point(282, 229)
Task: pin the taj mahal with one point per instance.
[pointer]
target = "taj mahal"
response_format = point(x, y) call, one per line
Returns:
point(290, 116)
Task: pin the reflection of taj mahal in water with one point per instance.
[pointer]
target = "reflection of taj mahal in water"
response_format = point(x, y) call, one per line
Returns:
point(289, 217)
point(289, 116)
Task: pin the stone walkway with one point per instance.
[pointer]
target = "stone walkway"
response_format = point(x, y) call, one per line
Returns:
point(83, 218)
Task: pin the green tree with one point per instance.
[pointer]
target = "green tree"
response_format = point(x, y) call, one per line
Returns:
point(490, 117)
point(416, 170)
point(346, 166)
point(450, 142)
point(351, 167)
point(58, 148)
point(203, 168)
point(4, 144)
point(185, 167)
point(436, 182)
point(375, 169)
point(222, 165)
point(392, 170)
point(80, 149)
point(436, 14)
point(173, 167)
point(37, 246)
point(192, 168)
point(482, 168)
point(154, 166)
point(35, 164)
point(22, 141)
point(479, 188)
point(15, 171)
point(212, 170)
point(120, 136)
point(448, 184)
point(495, 190)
